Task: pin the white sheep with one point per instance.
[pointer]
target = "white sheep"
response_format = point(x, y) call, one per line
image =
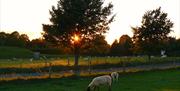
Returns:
point(115, 76)
point(98, 81)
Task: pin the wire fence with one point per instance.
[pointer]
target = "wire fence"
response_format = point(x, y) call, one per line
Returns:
point(58, 67)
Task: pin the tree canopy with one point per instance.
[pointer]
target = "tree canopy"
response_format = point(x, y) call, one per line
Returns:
point(98, 46)
point(82, 17)
point(150, 36)
point(123, 47)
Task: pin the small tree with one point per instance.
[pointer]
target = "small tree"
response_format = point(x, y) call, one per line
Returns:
point(154, 30)
point(125, 45)
point(79, 18)
point(114, 50)
point(3, 38)
point(98, 46)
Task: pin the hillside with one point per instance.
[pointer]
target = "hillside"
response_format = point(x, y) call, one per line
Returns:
point(14, 52)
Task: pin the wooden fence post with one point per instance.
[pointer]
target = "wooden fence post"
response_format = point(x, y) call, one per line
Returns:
point(89, 66)
point(124, 66)
point(68, 63)
point(50, 69)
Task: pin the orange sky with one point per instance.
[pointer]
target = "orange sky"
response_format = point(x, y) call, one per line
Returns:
point(27, 16)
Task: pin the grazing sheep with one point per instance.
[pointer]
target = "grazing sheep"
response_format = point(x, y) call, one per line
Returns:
point(115, 76)
point(101, 80)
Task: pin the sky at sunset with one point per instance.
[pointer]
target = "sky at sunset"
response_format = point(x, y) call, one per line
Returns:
point(27, 16)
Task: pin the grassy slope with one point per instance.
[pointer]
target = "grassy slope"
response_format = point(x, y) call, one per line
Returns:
point(167, 80)
point(14, 52)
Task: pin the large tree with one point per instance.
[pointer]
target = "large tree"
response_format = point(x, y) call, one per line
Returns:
point(155, 28)
point(79, 18)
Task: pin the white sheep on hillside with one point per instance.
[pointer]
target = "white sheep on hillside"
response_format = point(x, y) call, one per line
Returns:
point(115, 76)
point(98, 81)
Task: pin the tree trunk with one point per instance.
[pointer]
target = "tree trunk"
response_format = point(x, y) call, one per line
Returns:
point(76, 55)
point(76, 60)
point(149, 56)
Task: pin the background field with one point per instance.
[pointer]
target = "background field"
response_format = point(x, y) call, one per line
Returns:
point(61, 64)
point(63, 61)
point(14, 57)
point(167, 80)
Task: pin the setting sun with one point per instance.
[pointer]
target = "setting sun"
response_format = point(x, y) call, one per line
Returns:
point(75, 38)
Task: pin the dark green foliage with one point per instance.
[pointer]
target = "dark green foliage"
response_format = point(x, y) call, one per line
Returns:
point(123, 47)
point(98, 46)
point(152, 35)
point(114, 51)
point(13, 39)
point(173, 47)
point(38, 43)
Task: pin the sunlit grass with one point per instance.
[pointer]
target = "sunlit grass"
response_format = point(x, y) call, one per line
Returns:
point(27, 63)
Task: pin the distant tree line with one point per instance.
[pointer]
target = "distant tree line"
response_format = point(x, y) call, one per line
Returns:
point(98, 46)
point(14, 39)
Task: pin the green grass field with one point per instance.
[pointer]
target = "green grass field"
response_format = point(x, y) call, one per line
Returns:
point(166, 80)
